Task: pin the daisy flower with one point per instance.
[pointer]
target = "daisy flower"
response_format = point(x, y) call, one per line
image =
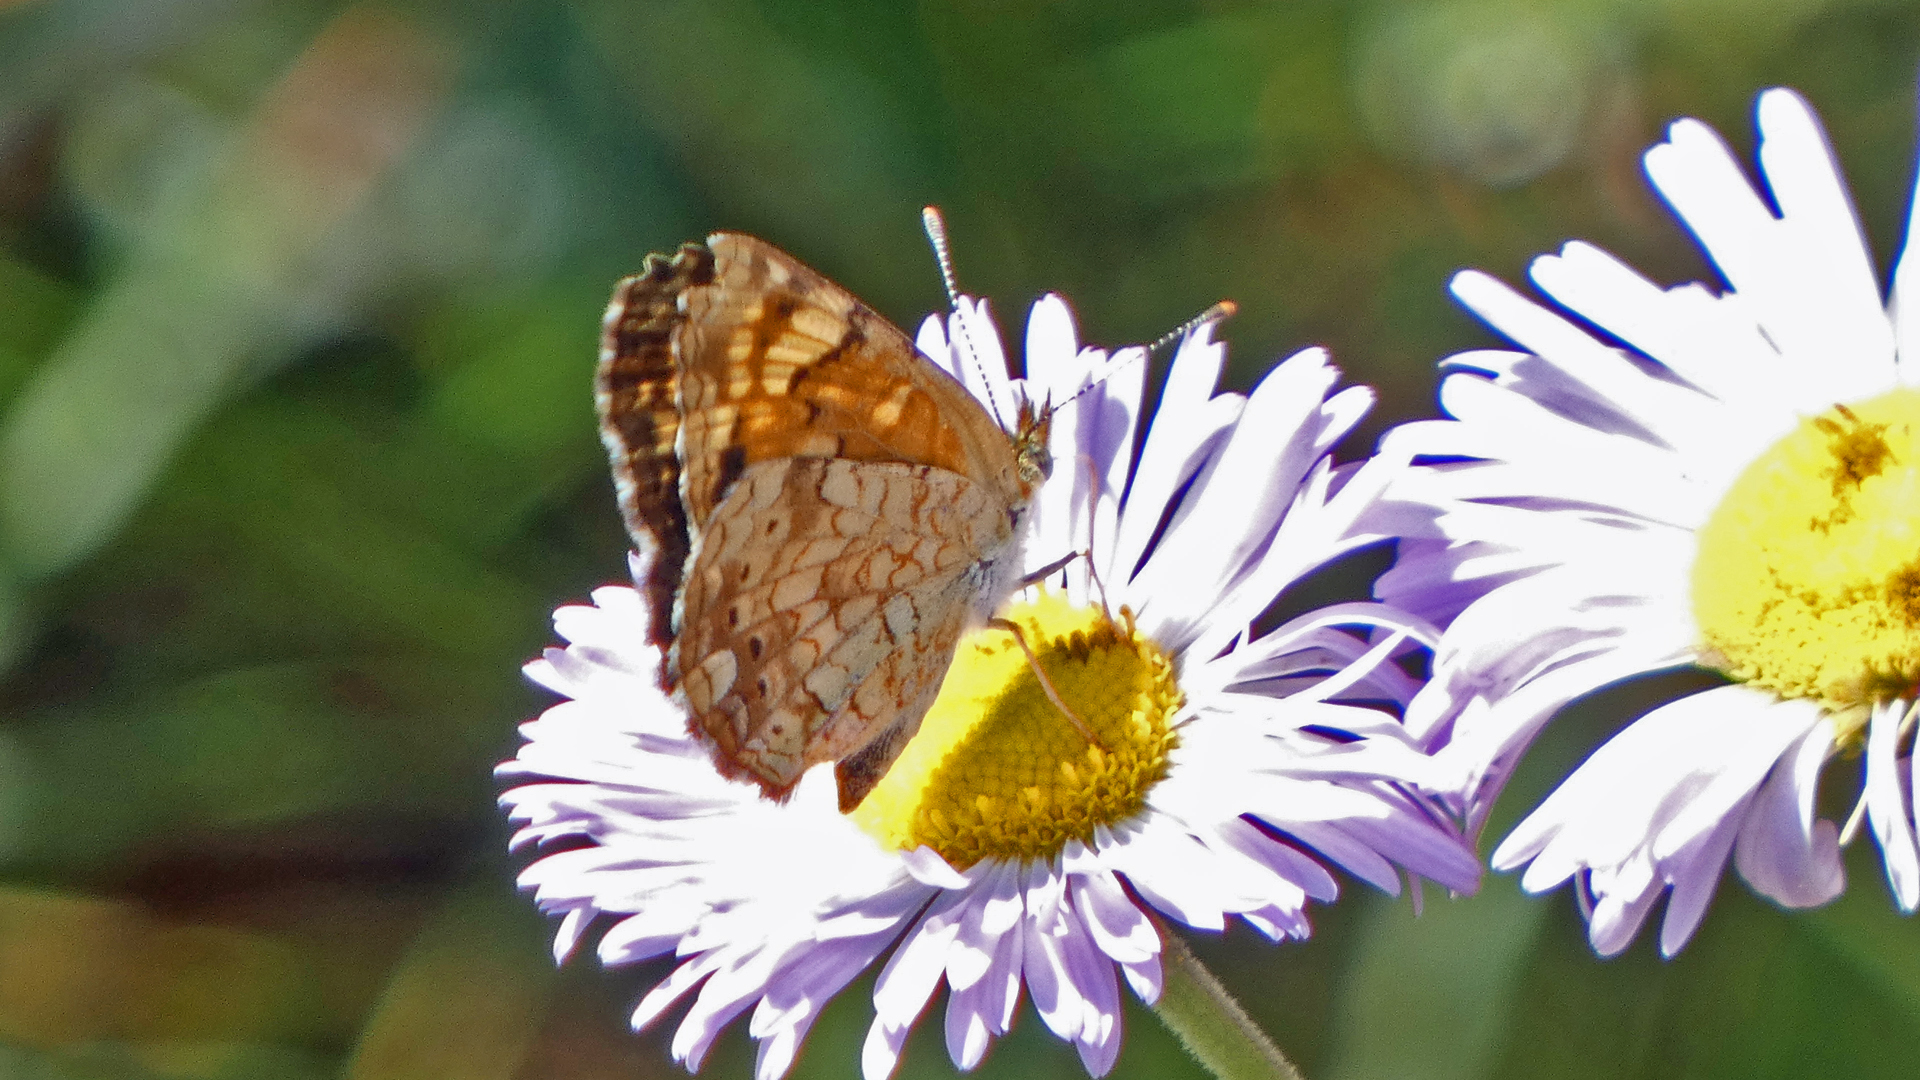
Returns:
point(1724, 477)
point(1003, 850)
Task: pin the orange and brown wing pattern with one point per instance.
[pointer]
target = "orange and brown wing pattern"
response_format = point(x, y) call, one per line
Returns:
point(732, 353)
point(637, 390)
point(777, 361)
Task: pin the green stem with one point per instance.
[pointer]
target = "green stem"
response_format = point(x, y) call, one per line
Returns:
point(1210, 1023)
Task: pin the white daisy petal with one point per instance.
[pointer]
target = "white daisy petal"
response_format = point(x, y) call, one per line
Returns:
point(1543, 333)
point(1656, 785)
point(1814, 207)
point(1146, 978)
point(1110, 414)
point(880, 1053)
point(1052, 346)
point(1053, 359)
point(1190, 427)
point(916, 967)
point(1890, 805)
point(1613, 921)
point(983, 1008)
point(1120, 929)
point(1584, 278)
point(1055, 997)
point(1263, 775)
point(932, 342)
point(994, 909)
point(1694, 872)
point(1559, 527)
point(1099, 1041)
point(928, 868)
point(982, 359)
point(1266, 458)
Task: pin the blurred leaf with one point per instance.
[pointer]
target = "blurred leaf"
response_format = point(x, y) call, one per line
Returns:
point(158, 350)
point(1866, 928)
point(516, 393)
point(142, 152)
point(485, 193)
point(1431, 996)
point(48, 46)
point(81, 446)
point(91, 1062)
point(164, 1061)
point(306, 528)
point(778, 143)
point(467, 1000)
point(250, 749)
point(1757, 993)
point(37, 310)
point(1226, 99)
point(75, 970)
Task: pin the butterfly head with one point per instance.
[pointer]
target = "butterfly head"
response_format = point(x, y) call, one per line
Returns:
point(1032, 457)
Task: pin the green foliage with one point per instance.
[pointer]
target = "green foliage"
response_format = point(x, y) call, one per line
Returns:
point(298, 307)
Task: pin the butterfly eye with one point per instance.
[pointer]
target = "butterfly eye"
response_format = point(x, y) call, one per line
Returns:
point(1032, 460)
point(1031, 436)
point(1032, 457)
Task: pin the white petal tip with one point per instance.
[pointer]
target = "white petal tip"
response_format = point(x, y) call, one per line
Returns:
point(928, 868)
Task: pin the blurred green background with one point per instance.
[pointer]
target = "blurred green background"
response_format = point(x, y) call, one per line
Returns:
point(298, 308)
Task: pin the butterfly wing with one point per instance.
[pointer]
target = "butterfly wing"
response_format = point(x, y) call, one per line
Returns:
point(822, 611)
point(734, 353)
point(777, 361)
point(636, 390)
point(735, 360)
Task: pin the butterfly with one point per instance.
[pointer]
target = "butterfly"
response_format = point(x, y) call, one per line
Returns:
point(819, 509)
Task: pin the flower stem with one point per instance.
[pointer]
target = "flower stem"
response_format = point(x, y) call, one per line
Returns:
point(1210, 1023)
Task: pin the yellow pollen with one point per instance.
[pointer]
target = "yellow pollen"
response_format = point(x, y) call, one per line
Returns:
point(996, 771)
point(1807, 581)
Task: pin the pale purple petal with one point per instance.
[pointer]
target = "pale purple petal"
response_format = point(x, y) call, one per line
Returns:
point(1659, 805)
point(1890, 804)
point(1784, 850)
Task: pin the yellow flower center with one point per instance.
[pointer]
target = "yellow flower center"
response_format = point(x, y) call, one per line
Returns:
point(1808, 575)
point(997, 770)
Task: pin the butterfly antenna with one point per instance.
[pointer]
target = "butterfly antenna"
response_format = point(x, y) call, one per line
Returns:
point(936, 226)
point(1224, 309)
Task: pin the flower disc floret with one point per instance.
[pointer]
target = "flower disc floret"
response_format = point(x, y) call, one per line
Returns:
point(1807, 581)
point(998, 771)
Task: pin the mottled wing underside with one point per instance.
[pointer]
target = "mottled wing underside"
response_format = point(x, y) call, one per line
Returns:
point(733, 356)
point(823, 607)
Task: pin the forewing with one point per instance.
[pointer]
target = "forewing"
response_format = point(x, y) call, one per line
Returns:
point(823, 607)
point(636, 390)
point(777, 361)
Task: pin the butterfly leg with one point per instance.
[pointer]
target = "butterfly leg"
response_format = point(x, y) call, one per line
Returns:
point(1053, 568)
point(1046, 684)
